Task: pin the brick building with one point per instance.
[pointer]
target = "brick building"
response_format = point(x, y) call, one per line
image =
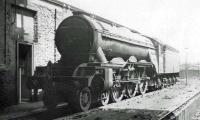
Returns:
point(27, 30)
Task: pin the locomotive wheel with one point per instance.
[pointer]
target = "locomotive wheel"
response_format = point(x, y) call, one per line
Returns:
point(117, 94)
point(143, 87)
point(155, 87)
point(84, 99)
point(132, 90)
point(165, 82)
point(104, 98)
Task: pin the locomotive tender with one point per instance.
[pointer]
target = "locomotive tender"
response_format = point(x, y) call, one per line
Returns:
point(102, 61)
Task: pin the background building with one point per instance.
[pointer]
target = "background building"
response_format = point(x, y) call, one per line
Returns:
point(27, 29)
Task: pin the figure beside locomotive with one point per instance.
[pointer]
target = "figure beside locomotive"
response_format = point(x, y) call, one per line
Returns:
point(101, 62)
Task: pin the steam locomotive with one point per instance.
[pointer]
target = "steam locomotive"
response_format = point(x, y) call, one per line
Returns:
point(102, 61)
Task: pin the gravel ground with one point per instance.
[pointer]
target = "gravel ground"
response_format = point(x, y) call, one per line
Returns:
point(20, 110)
point(151, 106)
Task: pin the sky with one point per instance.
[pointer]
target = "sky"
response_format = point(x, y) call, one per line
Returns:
point(175, 22)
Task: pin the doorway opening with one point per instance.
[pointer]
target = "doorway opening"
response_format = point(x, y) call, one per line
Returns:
point(24, 71)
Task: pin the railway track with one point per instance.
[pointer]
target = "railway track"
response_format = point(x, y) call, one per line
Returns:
point(139, 111)
point(136, 108)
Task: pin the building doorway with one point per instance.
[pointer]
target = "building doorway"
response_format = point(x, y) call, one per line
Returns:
point(24, 70)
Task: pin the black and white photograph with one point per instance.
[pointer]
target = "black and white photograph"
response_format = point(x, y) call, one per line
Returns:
point(99, 60)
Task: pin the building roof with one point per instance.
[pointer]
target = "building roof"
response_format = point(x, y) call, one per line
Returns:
point(76, 10)
point(80, 11)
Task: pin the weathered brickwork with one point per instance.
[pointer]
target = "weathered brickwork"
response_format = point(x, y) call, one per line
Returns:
point(43, 46)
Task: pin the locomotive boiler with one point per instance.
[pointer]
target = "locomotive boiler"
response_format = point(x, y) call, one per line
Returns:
point(102, 61)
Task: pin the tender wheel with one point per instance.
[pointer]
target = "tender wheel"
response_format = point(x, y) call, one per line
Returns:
point(143, 87)
point(104, 98)
point(132, 90)
point(155, 85)
point(117, 94)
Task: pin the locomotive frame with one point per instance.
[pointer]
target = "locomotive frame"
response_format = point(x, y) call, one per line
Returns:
point(105, 76)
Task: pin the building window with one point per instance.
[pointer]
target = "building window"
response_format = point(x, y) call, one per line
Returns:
point(28, 28)
point(26, 25)
point(19, 21)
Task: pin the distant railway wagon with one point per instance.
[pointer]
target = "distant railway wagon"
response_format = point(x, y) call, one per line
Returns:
point(102, 61)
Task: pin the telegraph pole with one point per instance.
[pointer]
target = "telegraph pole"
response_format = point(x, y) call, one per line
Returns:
point(186, 66)
point(198, 71)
